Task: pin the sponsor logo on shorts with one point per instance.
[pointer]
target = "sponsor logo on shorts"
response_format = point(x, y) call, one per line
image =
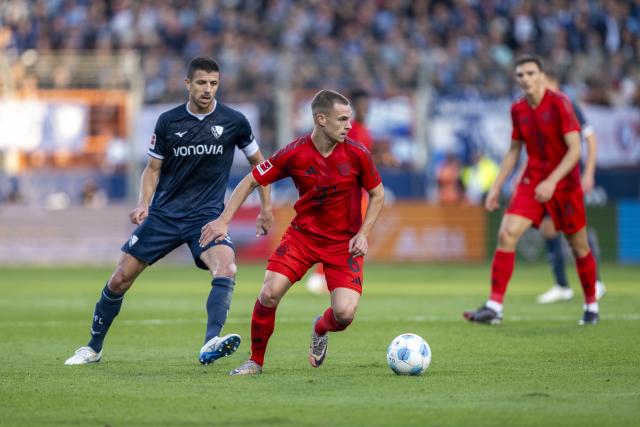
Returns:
point(133, 240)
point(282, 249)
point(356, 281)
point(264, 167)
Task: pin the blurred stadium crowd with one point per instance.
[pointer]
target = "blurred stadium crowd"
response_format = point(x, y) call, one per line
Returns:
point(377, 45)
point(463, 49)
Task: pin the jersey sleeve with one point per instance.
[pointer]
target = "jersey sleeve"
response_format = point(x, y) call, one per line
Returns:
point(273, 169)
point(516, 135)
point(568, 119)
point(246, 141)
point(582, 120)
point(370, 177)
point(158, 143)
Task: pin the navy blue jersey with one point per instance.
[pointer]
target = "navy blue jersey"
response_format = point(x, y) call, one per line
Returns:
point(585, 128)
point(196, 153)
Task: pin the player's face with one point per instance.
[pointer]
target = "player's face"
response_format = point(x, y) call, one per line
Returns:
point(202, 90)
point(530, 78)
point(337, 123)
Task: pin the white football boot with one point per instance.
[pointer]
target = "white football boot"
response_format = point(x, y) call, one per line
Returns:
point(600, 290)
point(218, 347)
point(555, 294)
point(84, 356)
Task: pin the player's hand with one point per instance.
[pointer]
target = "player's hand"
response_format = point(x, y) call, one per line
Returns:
point(491, 203)
point(544, 191)
point(215, 230)
point(264, 222)
point(358, 245)
point(587, 182)
point(139, 214)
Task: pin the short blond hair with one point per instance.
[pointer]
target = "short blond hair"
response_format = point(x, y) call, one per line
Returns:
point(324, 101)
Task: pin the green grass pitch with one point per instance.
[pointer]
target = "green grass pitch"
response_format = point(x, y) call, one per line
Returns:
point(538, 369)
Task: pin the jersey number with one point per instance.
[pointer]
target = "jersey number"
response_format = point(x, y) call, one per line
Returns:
point(322, 192)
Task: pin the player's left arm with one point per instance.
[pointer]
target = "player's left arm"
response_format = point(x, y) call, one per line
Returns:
point(588, 175)
point(265, 217)
point(544, 191)
point(216, 230)
point(590, 138)
point(358, 245)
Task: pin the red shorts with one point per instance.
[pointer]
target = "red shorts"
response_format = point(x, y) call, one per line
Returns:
point(298, 251)
point(566, 208)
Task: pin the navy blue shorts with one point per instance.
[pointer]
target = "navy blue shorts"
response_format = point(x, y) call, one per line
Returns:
point(157, 236)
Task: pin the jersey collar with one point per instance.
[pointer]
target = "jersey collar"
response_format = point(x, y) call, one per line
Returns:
point(202, 116)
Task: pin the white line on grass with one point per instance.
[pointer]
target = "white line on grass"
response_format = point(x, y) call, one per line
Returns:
point(179, 321)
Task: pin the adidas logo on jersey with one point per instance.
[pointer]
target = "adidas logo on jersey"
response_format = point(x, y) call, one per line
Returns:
point(133, 240)
point(197, 150)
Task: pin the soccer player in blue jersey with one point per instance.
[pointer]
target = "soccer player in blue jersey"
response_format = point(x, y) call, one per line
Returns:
point(561, 291)
point(182, 188)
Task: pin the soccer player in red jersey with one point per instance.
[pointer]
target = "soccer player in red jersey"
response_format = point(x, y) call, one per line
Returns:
point(316, 281)
point(544, 121)
point(329, 171)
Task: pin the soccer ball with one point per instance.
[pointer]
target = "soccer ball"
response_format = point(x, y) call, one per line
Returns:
point(408, 354)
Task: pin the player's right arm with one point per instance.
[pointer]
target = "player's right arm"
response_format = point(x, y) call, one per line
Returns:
point(506, 167)
point(148, 184)
point(216, 230)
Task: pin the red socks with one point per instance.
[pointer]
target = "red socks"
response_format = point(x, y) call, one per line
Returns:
point(263, 321)
point(501, 270)
point(328, 323)
point(586, 267)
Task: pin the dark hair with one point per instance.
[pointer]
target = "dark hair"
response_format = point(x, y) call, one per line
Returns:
point(552, 74)
point(325, 99)
point(203, 63)
point(358, 94)
point(529, 58)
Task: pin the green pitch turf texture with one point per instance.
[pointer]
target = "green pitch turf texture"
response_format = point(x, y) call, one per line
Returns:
point(538, 369)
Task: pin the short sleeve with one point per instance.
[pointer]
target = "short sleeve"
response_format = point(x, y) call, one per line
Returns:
point(158, 143)
point(370, 177)
point(582, 120)
point(273, 169)
point(568, 119)
point(516, 135)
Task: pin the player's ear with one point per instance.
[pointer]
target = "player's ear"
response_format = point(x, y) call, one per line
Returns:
point(321, 119)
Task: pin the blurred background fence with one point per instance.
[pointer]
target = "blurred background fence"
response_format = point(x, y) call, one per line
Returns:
point(82, 83)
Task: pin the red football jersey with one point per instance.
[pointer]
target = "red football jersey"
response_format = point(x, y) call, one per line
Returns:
point(329, 187)
point(360, 133)
point(542, 129)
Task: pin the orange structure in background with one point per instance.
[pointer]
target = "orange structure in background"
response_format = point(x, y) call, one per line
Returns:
point(416, 232)
point(108, 119)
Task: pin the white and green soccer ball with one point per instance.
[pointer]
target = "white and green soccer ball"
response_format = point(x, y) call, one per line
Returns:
point(408, 354)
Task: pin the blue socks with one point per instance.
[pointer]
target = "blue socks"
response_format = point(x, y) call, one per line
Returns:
point(218, 305)
point(107, 308)
point(556, 259)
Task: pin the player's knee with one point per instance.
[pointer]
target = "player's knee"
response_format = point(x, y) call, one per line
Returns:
point(579, 249)
point(507, 237)
point(228, 269)
point(120, 281)
point(268, 297)
point(344, 314)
